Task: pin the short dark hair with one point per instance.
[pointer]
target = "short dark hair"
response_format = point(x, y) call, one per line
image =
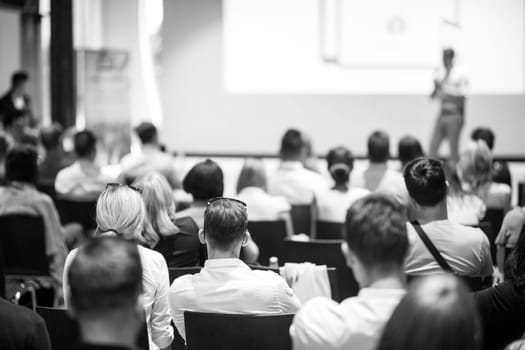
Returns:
point(21, 164)
point(204, 181)
point(340, 162)
point(85, 143)
point(225, 222)
point(19, 77)
point(50, 136)
point(484, 134)
point(376, 232)
point(105, 275)
point(146, 131)
point(437, 313)
point(425, 181)
point(378, 147)
point(449, 52)
point(292, 144)
point(409, 149)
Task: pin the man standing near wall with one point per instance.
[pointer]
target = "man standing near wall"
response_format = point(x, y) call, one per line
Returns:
point(16, 99)
point(450, 87)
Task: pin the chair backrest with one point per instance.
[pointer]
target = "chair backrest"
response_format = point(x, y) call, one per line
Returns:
point(269, 236)
point(473, 283)
point(237, 332)
point(324, 252)
point(495, 217)
point(24, 245)
point(48, 189)
point(486, 227)
point(329, 230)
point(83, 212)
point(302, 219)
point(176, 272)
point(64, 332)
point(2, 274)
point(332, 277)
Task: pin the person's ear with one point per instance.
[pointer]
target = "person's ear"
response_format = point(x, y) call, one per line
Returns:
point(202, 237)
point(347, 253)
point(70, 308)
point(245, 239)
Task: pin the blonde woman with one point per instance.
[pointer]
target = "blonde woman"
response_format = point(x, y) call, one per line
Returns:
point(121, 212)
point(176, 239)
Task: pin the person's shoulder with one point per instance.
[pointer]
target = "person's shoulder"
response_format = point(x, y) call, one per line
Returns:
point(150, 256)
point(20, 315)
point(186, 224)
point(499, 189)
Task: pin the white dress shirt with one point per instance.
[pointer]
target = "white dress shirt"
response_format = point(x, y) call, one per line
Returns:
point(332, 205)
point(81, 180)
point(155, 284)
point(466, 249)
point(296, 183)
point(465, 209)
point(379, 178)
point(229, 286)
point(356, 323)
point(263, 206)
point(149, 159)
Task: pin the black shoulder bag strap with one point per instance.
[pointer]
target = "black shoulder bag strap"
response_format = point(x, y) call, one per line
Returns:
point(431, 247)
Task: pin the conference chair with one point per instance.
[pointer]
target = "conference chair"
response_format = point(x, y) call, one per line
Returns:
point(324, 252)
point(64, 331)
point(486, 227)
point(495, 217)
point(521, 194)
point(82, 212)
point(22, 238)
point(303, 219)
point(2, 274)
point(332, 277)
point(48, 189)
point(269, 236)
point(329, 230)
point(237, 332)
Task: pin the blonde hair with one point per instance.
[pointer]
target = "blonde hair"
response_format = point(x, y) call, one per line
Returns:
point(160, 205)
point(252, 175)
point(475, 166)
point(121, 211)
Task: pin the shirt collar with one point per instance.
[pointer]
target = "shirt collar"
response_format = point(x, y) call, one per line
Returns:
point(231, 262)
point(382, 292)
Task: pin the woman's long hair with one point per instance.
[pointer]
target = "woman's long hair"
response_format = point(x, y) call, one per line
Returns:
point(252, 175)
point(475, 166)
point(515, 265)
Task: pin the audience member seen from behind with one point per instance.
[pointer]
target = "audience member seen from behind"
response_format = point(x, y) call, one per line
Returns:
point(150, 158)
point(500, 169)
point(463, 207)
point(22, 328)
point(475, 173)
point(20, 196)
point(176, 239)
point(252, 189)
point(509, 234)
point(437, 313)
point(4, 147)
point(55, 158)
point(375, 247)
point(292, 180)
point(206, 181)
point(333, 204)
point(83, 180)
point(226, 284)
point(105, 284)
point(121, 212)
point(502, 307)
point(409, 149)
point(465, 249)
point(377, 177)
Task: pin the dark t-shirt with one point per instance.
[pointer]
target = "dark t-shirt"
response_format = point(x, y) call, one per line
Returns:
point(501, 173)
point(21, 328)
point(85, 346)
point(502, 310)
point(184, 248)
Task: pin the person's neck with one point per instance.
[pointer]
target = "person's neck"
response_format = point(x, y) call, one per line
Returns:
point(199, 203)
point(378, 164)
point(223, 254)
point(104, 332)
point(429, 214)
point(342, 187)
point(394, 279)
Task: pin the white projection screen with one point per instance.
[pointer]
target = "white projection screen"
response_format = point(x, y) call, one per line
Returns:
point(370, 46)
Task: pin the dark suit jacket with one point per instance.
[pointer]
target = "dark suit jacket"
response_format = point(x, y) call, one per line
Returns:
point(7, 106)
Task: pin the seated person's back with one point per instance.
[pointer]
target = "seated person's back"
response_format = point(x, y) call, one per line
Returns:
point(332, 204)
point(226, 284)
point(55, 158)
point(465, 249)
point(83, 180)
point(375, 247)
point(292, 180)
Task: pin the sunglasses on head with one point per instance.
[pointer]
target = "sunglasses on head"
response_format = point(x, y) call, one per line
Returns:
point(226, 199)
point(114, 185)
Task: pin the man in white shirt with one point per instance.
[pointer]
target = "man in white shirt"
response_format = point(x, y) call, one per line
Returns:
point(378, 177)
point(149, 159)
point(226, 284)
point(375, 247)
point(450, 88)
point(465, 249)
point(292, 180)
point(83, 180)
